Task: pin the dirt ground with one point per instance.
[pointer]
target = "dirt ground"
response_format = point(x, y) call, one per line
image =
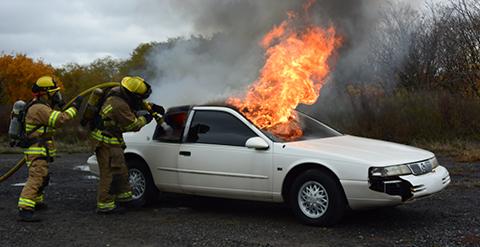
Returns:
point(451, 218)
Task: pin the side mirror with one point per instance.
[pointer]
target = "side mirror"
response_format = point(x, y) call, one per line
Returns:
point(257, 143)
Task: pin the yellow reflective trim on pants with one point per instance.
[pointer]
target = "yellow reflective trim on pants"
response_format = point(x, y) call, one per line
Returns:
point(107, 205)
point(53, 118)
point(39, 198)
point(71, 111)
point(97, 135)
point(26, 202)
point(125, 196)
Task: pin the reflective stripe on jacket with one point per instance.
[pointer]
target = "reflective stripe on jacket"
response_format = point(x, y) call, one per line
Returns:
point(117, 118)
point(101, 137)
point(30, 127)
point(38, 149)
point(48, 119)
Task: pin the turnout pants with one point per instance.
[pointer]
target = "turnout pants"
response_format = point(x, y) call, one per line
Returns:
point(113, 185)
point(38, 178)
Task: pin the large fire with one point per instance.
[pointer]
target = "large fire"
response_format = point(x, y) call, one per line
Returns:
point(295, 70)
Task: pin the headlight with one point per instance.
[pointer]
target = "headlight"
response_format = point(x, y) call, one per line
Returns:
point(390, 171)
point(417, 168)
point(434, 162)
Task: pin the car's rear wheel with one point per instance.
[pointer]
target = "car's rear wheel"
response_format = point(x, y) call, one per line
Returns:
point(141, 181)
point(316, 198)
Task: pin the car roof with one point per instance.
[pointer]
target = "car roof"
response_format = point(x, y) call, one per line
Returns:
point(186, 108)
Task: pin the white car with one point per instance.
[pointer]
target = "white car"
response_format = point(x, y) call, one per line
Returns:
point(215, 151)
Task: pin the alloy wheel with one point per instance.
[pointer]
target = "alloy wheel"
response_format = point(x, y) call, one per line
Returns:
point(313, 199)
point(137, 182)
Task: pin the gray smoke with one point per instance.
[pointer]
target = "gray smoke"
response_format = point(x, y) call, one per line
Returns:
point(224, 58)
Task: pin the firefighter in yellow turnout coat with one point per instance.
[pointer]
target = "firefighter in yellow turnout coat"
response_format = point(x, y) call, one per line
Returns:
point(121, 112)
point(40, 123)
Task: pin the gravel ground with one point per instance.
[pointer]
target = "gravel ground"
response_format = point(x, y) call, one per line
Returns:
point(451, 218)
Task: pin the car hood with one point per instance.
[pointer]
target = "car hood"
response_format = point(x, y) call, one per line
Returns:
point(358, 149)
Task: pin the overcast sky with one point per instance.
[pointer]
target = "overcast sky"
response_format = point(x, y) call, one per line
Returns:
point(80, 31)
point(59, 31)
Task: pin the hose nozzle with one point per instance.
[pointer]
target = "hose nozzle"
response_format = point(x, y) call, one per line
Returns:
point(155, 114)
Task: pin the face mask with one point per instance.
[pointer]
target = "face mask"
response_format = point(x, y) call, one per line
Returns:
point(147, 93)
point(143, 96)
point(57, 99)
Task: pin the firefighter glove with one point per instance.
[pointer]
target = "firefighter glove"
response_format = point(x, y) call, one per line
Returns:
point(145, 114)
point(77, 102)
point(158, 109)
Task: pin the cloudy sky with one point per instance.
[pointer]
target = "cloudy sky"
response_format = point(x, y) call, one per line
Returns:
point(80, 31)
point(60, 31)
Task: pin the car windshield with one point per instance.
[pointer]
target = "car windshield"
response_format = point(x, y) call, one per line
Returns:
point(312, 129)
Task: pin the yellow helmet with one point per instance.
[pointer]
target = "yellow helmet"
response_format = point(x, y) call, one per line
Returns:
point(136, 85)
point(45, 84)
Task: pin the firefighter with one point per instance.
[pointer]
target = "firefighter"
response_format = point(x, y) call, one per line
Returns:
point(121, 111)
point(40, 122)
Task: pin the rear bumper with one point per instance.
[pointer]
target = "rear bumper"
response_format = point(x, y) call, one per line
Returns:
point(394, 191)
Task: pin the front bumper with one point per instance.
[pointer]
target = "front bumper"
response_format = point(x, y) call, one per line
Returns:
point(410, 187)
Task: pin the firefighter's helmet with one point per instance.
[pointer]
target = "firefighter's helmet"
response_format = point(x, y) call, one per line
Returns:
point(45, 84)
point(137, 85)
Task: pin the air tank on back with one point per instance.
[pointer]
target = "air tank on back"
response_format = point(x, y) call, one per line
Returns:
point(91, 107)
point(15, 129)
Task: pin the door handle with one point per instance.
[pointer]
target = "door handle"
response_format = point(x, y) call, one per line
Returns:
point(185, 153)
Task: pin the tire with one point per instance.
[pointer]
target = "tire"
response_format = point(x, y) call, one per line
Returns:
point(325, 206)
point(141, 181)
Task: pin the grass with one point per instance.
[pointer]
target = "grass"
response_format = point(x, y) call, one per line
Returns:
point(460, 150)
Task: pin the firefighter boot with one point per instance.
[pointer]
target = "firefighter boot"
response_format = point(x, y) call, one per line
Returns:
point(41, 206)
point(116, 210)
point(27, 216)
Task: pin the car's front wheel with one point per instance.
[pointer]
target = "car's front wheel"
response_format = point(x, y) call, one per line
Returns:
point(141, 181)
point(317, 199)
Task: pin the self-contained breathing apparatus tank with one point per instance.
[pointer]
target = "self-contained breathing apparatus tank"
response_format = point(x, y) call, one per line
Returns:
point(92, 106)
point(16, 130)
point(96, 99)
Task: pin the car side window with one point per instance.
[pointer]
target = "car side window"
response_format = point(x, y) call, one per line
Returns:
point(172, 129)
point(216, 127)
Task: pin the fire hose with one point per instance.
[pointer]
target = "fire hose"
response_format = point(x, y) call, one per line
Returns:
point(147, 107)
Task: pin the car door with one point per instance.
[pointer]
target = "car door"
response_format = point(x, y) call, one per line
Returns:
point(162, 152)
point(214, 160)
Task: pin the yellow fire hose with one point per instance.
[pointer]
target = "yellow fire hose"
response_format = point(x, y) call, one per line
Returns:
point(84, 93)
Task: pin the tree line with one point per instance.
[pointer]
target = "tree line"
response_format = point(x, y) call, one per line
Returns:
point(432, 92)
point(18, 72)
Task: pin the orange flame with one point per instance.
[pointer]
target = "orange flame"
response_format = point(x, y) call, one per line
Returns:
point(295, 70)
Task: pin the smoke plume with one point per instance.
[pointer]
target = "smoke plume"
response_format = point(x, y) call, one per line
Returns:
point(223, 57)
